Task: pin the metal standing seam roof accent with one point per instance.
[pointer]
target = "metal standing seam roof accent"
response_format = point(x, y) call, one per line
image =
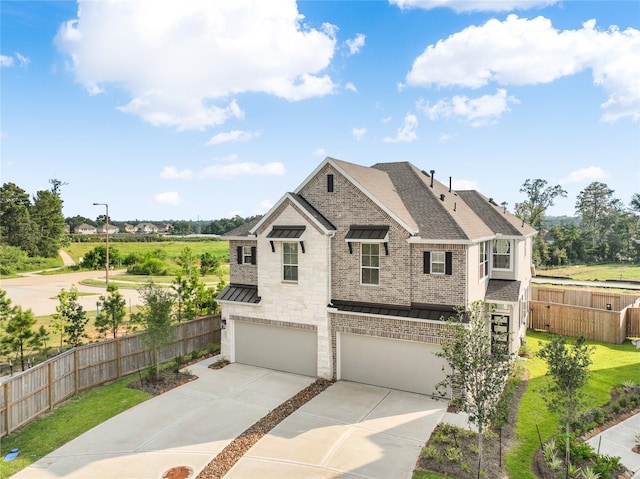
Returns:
point(415, 311)
point(239, 293)
point(286, 232)
point(364, 232)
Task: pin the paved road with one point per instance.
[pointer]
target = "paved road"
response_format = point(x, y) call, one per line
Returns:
point(39, 292)
point(594, 284)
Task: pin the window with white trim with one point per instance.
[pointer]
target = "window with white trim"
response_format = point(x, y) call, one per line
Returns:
point(290, 262)
point(247, 256)
point(483, 266)
point(501, 254)
point(437, 262)
point(370, 263)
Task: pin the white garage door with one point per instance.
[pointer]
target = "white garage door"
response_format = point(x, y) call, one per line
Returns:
point(392, 363)
point(292, 350)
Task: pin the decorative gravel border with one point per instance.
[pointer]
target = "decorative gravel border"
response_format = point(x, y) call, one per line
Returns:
point(231, 454)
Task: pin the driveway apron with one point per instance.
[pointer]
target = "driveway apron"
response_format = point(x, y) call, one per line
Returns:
point(187, 426)
point(350, 430)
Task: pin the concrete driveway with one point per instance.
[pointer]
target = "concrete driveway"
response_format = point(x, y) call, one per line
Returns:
point(187, 426)
point(348, 431)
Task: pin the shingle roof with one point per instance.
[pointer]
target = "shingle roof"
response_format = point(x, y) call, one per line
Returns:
point(313, 212)
point(503, 290)
point(495, 216)
point(242, 230)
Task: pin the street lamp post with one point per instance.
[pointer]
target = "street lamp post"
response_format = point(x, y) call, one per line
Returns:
point(107, 231)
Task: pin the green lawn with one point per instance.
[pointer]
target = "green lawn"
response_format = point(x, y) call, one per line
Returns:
point(69, 420)
point(612, 366)
point(173, 249)
point(596, 272)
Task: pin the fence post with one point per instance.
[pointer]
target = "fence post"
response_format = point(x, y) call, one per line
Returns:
point(183, 332)
point(51, 383)
point(76, 370)
point(118, 358)
point(7, 406)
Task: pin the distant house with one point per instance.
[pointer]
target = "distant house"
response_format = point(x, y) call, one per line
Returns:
point(165, 228)
point(129, 228)
point(112, 229)
point(85, 229)
point(146, 228)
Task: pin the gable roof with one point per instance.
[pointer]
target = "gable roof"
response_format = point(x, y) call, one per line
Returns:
point(242, 231)
point(376, 185)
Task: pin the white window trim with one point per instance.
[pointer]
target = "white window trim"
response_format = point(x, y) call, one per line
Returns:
point(246, 252)
point(483, 262)
point(297, 263)
point(370, 267)
point(433, 261)
point(511, 247)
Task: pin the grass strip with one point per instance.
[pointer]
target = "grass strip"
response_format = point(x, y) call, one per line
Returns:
point(72, 418)
point(613, 364)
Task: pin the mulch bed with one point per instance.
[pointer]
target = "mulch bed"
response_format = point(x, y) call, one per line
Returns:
point(169, 379)
point(226, 458)
point(449, 462)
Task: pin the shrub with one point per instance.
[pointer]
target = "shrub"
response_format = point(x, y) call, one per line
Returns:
point(589, 473)
point(429, 452)
point(453, 454)
point(606, 466)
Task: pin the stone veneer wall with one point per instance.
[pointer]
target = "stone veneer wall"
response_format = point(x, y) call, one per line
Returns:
point(347, 206)
point(439, 288)
point(384, 327)
point(242, 273)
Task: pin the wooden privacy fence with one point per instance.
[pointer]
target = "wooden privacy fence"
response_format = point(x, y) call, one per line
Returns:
point(28, 394)
point(601, 316)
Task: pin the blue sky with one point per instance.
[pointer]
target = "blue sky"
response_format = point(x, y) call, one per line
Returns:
point(173, 110)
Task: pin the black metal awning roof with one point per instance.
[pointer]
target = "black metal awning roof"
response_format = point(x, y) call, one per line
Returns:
point(368, 233)
point(286, 232)
point(240, 293)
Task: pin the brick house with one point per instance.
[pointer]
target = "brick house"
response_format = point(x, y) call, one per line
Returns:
point(85, 229)
point(348, 276)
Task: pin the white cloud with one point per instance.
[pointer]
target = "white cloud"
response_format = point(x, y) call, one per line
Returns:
point(460, 185)
point(474, 5)
point(178, 60)
point(445, 137)
point(227, 159)
point(264, 206)
point(407, 133)
point(356, 44)
point(233, 136)
point(583, 175)
point(518, 51)
point(386, 119)
point(172, 173)
point(359, 133)
point(9, 61)
point(351, 87)
point(479, 111)
point(230, 170)
point(170, 198)
point(319, 152)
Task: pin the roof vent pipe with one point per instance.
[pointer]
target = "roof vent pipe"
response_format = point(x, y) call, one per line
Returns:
point(455, 204)
point(433, 172)
point(442, 197)
point(449, 184)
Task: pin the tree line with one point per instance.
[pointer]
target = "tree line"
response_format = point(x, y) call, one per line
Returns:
point(606, 229)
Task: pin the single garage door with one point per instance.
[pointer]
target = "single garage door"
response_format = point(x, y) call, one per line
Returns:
point(393, 363)
point(292, 350)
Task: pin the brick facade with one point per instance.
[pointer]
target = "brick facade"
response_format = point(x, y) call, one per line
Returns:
point(242, 273)
point(439, 288)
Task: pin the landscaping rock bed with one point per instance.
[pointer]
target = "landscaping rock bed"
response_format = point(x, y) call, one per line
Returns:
point(225, 460)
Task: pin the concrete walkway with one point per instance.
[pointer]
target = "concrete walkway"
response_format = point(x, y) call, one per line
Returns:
point(348, 431)
point(186, 426)
point(618, 441)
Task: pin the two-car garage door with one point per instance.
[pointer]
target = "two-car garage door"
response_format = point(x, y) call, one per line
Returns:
point(287, 349)
point(405, 365)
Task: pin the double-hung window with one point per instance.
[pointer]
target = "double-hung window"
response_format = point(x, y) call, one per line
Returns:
point(502, 254)
point(483, 266)
point(290, 262)
point(247, 256)
point(437, 262)
point(370, 263)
